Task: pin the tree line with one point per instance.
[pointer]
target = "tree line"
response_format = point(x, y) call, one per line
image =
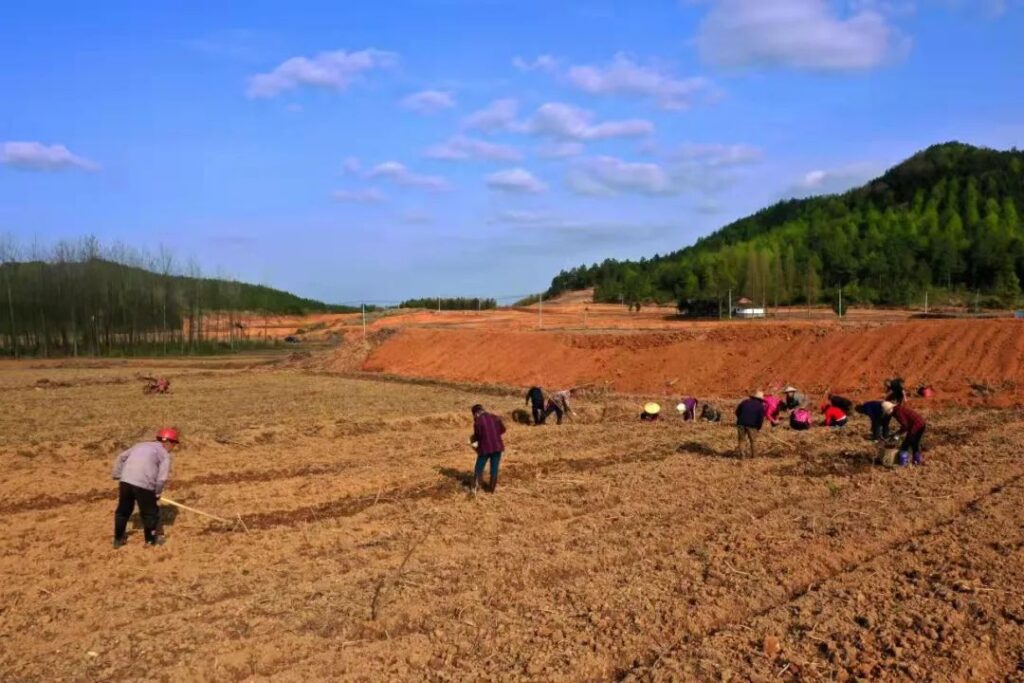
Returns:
point(948, 219)
point(80, 298)
point(451, 303)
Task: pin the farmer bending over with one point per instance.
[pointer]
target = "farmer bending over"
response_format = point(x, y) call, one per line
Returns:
point(687, 408)
point(911, 424)
point(800, 419)
point(834, 415)
point(487, 431)
point(709, 413)
point(535, 399)
point(143, 470)
point(558, 403)
point(793, 398)
point(772, 406)
point(879, 420)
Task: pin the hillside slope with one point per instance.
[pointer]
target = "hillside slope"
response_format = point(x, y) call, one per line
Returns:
point(724, 360)
point(948, 217)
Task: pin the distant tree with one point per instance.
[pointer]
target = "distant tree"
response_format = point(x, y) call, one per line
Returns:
point(948, 217)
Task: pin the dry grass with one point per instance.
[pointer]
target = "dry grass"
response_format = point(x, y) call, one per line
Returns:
point(613, 550)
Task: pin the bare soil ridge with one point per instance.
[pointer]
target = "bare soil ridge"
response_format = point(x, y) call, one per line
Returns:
point(721, 359)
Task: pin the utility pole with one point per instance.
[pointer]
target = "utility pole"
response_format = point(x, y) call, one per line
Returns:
point(438, 304)
point(926, 302)
point(540, 312)
point(840, 303)
point(364, 321)
point(730, 304)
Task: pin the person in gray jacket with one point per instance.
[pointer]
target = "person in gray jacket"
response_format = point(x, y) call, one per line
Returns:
point(142, 471)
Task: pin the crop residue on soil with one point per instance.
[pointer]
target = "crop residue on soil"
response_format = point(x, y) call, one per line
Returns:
point(613, 550)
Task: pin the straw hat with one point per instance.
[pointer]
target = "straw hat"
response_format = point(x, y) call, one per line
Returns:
point(652, 408)
point(888, 407)
point(789, 390)
point(681, 407)
point(758, 394)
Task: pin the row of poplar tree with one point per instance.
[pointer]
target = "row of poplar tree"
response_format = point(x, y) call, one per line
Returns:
point(81, 298)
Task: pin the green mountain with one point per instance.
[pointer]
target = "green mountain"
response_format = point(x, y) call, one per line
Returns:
point(947, 220)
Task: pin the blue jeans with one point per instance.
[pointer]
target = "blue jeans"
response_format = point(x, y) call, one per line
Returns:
point(481, 460)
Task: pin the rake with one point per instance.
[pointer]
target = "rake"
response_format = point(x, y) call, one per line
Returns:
point(237, 520)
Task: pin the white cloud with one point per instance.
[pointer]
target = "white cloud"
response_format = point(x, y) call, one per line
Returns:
point(521, 217)
point(428, 101)
point(35, 156)
point(709, 207)
point(400, 175)
point(803, 34)
point(460, 147)
point(417, 217)
point(541, 63)
point(992, 8)
point(367, 196)
point(352, 165)
point(566, 122)
point(997, 8)
point(607, 176)
point(331, 70)
point(624, 77)
point(718, 155)
point(499, 115)
point(515, 180)
point(560, 150)
point(833, 181)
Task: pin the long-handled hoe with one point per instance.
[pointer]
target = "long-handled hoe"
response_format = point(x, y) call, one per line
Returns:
point(235, 522)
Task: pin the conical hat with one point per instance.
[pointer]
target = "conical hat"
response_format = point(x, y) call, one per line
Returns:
point(652, 408)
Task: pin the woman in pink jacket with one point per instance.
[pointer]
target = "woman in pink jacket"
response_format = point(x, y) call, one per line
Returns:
point(772, 405)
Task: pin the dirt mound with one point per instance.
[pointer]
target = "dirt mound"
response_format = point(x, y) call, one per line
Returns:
point(950, 355)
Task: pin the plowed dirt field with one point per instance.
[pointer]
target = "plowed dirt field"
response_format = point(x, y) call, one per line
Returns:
point(612, 550)
point(963, 360)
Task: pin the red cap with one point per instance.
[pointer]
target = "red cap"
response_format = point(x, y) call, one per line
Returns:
point(167, 434)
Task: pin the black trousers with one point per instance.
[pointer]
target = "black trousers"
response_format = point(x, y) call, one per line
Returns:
point(538, 413)
point(553, 408)
point(879, 427)
point(127, 496)
point(912, 442)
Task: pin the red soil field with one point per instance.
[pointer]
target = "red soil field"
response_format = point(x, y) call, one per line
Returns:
point(720, 359)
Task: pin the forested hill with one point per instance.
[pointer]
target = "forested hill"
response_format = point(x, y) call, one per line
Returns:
point(78, 300)
point(946, 219)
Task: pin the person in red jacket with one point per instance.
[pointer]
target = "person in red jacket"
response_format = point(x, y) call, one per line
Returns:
point(911, 424)
point(486, 439)
point(834, 416)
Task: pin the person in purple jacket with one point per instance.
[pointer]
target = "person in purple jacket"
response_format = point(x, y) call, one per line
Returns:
point(487, 431)
point(142, 471)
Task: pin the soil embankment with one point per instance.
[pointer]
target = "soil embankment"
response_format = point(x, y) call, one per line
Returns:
point(726, 358)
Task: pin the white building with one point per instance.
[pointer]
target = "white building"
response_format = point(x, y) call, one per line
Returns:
point(745, 309)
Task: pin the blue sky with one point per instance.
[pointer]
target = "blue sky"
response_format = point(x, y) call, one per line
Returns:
point(377, 151)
